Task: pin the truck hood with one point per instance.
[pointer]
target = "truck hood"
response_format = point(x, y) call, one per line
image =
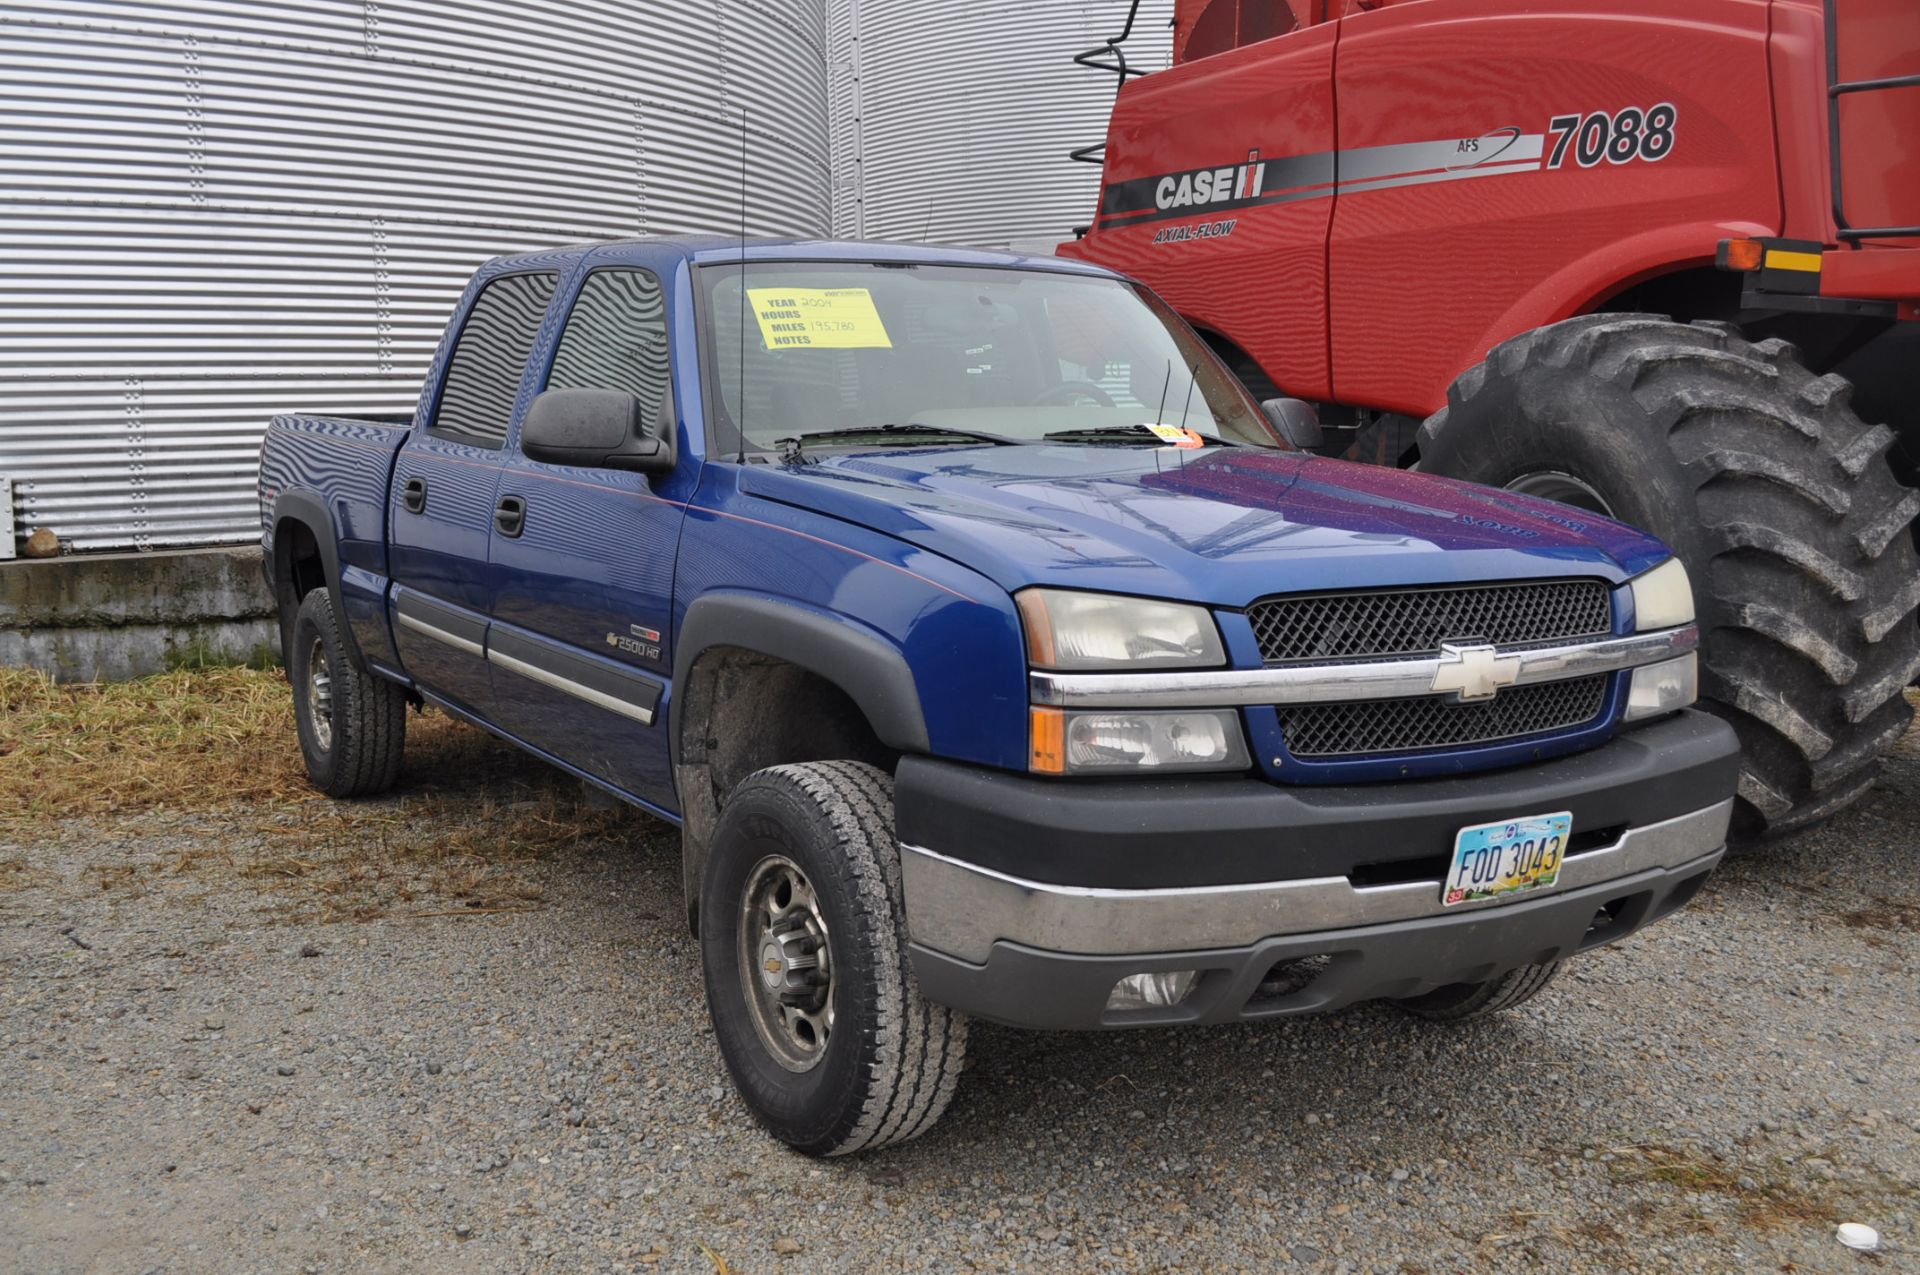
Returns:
point(1221, 526)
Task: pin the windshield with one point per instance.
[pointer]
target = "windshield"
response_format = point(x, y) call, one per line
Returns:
point(1022, 356)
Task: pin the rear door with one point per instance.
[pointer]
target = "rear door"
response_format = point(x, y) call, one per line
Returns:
point(580, 641)
point(441, 505)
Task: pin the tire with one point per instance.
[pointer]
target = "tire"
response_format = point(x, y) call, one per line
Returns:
point(352, 724)
point(887, 1064)
point(1773, 492)
point(1458, 1002)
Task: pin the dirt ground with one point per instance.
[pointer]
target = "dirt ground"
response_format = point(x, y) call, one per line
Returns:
point(462, 1028)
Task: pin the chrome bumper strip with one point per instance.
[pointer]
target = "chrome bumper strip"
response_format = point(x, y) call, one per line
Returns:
point(1350, 680)
point(962, 910)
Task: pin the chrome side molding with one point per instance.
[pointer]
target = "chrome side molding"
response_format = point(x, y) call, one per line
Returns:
point(438, 634)
point(567, 686)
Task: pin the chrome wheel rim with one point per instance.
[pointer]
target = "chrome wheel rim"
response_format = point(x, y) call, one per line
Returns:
point(785, 963)
point(1568, 489)
point(320, 696)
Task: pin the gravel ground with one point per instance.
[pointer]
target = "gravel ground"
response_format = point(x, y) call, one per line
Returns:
point(194, 1079)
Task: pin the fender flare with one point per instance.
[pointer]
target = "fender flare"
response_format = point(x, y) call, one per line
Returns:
point(306, 509)
point(1585, 284)
point(872, 671)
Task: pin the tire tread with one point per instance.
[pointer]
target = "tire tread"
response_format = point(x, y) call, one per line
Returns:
point(1797, 535)
point(913, 1060)
point(1477, 1000)
point(369, 712)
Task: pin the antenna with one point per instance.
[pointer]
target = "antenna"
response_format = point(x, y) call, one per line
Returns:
point(740, 405)
point(1193, 374)
point(1159, 413)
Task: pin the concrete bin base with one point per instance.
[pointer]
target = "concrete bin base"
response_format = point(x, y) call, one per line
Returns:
point(110, 617)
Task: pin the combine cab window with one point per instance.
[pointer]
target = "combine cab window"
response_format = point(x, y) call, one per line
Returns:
point(1229, 24)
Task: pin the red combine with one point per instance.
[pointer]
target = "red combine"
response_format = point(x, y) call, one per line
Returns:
point(1658, 259)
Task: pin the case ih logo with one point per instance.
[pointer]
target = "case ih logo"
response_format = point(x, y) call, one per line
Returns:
point(1201, 190)
point(1589, 139)
point(1211, 185)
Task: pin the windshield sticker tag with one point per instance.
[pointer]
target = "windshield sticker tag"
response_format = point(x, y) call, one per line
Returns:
point(1178, 435)
point(818, 319)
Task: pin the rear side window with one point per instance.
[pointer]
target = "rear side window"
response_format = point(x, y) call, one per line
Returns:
point(616, 339)
point(483, 376)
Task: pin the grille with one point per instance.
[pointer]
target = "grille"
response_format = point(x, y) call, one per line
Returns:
point(1398, 725)
point(1341, 626)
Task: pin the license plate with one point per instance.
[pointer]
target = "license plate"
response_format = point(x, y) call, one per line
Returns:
point(1509, 857)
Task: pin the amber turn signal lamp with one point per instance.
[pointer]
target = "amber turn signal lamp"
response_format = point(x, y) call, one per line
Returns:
point(1741, 254)
point(1048, 730)
point(1039, 626)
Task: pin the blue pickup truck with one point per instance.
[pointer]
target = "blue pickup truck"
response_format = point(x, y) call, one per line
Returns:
point(996, 654)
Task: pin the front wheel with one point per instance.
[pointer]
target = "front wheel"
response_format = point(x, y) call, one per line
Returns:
point(803, 939)
point(1777, 497)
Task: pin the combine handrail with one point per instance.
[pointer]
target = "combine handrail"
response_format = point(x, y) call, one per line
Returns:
point(1836, 89)
point(1091, 58)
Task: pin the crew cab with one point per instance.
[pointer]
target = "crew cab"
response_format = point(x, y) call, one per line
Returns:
point(996, 654)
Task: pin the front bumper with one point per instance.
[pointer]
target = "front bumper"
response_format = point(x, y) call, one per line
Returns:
point(1307, 973)
point(1014, 917)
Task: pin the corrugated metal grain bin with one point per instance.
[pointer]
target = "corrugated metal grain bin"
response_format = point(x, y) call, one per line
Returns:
point(212, 210)
point(952, 119)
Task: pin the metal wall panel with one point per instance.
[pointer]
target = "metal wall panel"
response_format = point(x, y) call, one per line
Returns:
point(952, 119)
point(214, 210)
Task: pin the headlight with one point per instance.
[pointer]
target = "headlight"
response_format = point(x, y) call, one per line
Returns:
point(1662, 597)
point(1086, 631)
point(1127, 741)
point(1663, 687)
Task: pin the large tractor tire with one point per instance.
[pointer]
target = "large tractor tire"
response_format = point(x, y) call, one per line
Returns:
point(1773, 492)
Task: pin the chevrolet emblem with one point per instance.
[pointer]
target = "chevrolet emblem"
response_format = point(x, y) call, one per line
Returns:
point(1474, 672)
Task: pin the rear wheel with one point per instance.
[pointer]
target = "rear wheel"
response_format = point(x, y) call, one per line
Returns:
point(1458, 1002)
point(352, 724)
point(1773, 492)
point(803, 939)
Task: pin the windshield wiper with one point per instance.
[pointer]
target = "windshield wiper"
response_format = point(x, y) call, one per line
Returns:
point(1141, 433)
point(791, 447)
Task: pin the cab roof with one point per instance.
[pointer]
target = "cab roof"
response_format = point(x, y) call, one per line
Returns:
point(719, 249)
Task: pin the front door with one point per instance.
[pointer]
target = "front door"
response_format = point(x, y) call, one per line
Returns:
point(580, 639)
point(441, 505)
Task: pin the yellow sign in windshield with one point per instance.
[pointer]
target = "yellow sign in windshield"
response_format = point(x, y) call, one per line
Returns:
point(818, 318)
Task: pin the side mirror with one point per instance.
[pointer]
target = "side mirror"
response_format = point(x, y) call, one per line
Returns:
point(597, 429)
point(1296, 420)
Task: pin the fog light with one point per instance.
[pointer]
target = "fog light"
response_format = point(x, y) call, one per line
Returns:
point(1152, 991)
point(1663, 687)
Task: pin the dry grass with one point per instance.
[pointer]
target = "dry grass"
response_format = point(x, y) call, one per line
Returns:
point(16, 873)
point(215, 748)
point(192, 739)
point(1884, 914)
point(1766, 1201)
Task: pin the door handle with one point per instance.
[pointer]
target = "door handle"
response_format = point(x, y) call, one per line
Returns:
point(510, 515)
point(414, 495)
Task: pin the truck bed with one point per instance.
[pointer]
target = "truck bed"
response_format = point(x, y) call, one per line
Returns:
point(344, 465)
